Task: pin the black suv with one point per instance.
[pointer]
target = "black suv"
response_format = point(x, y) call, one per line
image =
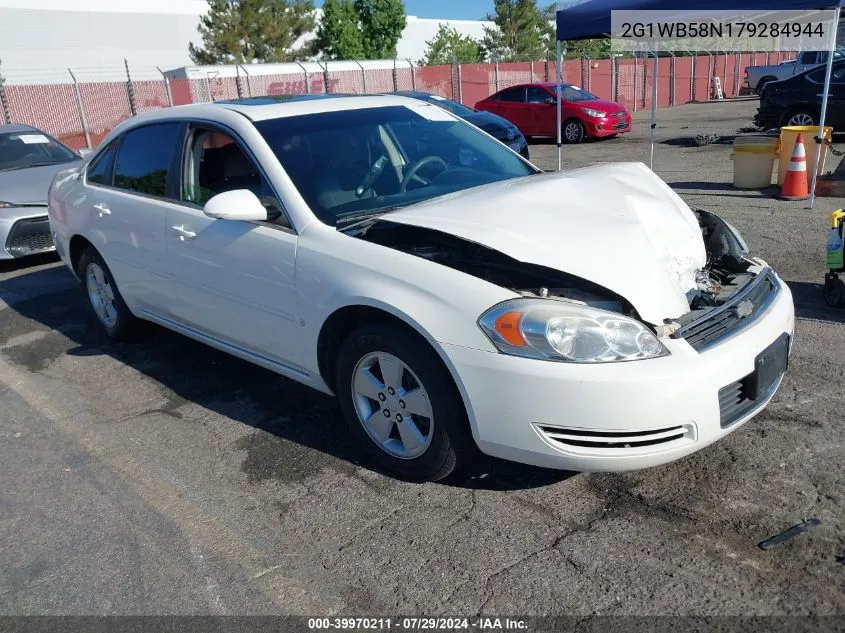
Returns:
point(798, 100)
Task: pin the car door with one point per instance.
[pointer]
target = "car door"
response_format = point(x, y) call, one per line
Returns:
point(233, 280)
point(836, 98)
point(129, 190)
point(511, 106)
point(541, 114)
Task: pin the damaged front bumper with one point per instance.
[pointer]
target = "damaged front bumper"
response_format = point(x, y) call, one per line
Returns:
point(619, 416)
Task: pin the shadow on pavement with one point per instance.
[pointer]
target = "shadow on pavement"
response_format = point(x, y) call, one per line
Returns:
point(810, 304)
point(230, 387)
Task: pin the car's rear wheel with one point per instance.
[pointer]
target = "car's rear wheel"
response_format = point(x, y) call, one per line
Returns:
point(104, 299)
point(802, 118)
point(401, 404)
point(573, 131)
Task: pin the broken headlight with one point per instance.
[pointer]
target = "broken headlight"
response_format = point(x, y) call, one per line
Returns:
point(569, 332)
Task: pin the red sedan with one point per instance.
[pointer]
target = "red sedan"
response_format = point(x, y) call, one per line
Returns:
point(531, 107)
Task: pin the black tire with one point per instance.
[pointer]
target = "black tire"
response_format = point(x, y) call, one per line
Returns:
point(125, 323)
point(451, 446)
point(834, 291)
point(579, 132)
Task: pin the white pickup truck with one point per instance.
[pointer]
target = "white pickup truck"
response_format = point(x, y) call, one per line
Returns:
point(758, 76)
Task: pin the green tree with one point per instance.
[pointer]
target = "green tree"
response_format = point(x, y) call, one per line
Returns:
point(521, 31)
point(339, 36)
point(245, 31)
point(382, 23)
point(449, 46)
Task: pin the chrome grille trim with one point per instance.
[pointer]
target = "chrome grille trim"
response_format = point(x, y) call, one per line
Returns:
point(568, 439)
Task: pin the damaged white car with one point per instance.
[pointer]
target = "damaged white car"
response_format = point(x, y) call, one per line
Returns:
point(451, 296)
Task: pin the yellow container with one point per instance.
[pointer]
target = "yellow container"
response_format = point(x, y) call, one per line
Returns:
point(754, 158)
point(788, 135)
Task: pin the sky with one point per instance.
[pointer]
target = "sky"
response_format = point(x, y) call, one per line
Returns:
point(446, 9)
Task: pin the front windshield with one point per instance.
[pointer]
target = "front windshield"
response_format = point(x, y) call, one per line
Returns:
point(573, 93)
point(31, 148)
point(353, 163)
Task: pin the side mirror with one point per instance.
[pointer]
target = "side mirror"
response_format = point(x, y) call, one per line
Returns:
point(551, 101)
point(239, 204)
point(84, 152)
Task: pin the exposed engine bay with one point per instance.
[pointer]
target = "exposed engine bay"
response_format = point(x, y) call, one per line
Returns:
point(727, 270)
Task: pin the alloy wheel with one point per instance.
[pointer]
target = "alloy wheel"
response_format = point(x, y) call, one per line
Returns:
point(392, 405)
point(801, 119)
point(572, 131)
point(101, 294)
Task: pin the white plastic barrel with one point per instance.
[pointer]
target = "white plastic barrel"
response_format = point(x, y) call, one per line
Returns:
point(754, 160)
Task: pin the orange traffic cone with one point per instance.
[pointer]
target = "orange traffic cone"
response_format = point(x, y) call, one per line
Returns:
point(795, 184)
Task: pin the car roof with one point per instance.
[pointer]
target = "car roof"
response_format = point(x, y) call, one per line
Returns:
point(280, 106)
point(9, 128)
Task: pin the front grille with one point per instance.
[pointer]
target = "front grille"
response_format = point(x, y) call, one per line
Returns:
point(622, 125)
point(29, 237)
point(619, 115)
point(742, 310)
point(733, 402)
point(580, 438)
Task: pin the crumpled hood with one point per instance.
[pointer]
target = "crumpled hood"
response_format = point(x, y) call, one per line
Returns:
point(30, 185)
point(617, 225)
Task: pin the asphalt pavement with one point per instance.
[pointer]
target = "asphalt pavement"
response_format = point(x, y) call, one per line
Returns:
point(163, 477)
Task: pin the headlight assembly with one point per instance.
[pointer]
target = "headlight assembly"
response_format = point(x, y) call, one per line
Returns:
point(598, 114)
point(6, 205)
point(568, 332)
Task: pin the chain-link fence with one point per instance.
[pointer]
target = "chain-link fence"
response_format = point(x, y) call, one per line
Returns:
point(80, 107)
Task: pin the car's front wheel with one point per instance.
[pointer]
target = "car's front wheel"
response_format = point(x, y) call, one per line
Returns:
point(104, 299)
point(401, 404)
point(573, 131)
point(801, 118)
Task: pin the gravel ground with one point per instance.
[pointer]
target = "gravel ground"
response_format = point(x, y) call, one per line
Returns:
point(163, 477)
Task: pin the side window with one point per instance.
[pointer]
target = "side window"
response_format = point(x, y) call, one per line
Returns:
point(808, 58)
point(215, 163)
point(512, 95)
point(101, 168)
point(837, 76)
point(537, 95)
point(817, 75)
point(143, 159)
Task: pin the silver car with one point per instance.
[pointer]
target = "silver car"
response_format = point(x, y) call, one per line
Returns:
point(29, 159)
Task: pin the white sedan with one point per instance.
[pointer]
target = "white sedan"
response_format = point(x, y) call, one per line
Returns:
point(452, 296)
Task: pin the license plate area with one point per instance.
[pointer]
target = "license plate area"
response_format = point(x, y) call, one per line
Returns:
point(769, 366)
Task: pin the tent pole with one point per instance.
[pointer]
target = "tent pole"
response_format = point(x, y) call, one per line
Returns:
point(558, 106)
point(836, 15)
point(653, 112)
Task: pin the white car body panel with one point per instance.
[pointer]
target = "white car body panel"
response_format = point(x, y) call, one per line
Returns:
point(264, 293)
point(635, 236)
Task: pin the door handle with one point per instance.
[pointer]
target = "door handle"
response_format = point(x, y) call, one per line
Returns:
point(102, 210)
point(184, 234)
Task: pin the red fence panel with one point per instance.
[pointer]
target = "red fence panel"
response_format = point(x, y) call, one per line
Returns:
point(435, 79)
point(346, 81)
point(282, 84)
point(49, 107)
point(703, 68)
point(513, 74)
point(600, 78)
point(149, 95)
point(477, 82)
point(106, 104)
point(683, 79)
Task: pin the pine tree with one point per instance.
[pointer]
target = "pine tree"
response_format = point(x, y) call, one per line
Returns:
point(245, 31)
point(339, 36)
point(522, 31)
